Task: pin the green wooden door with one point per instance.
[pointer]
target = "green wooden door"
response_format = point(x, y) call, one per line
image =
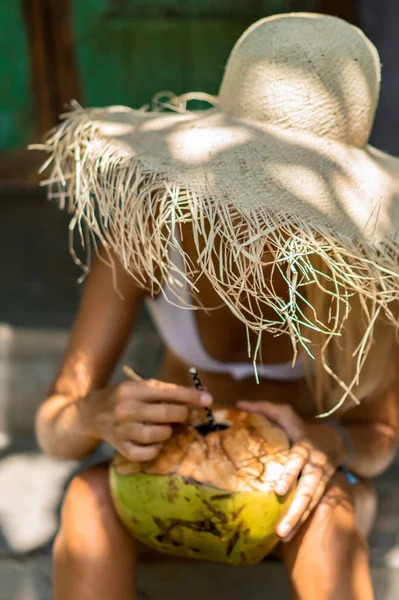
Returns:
point(17, 111)
point(127, 50)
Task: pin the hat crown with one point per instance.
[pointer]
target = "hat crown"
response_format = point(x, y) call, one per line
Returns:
point(305, 72)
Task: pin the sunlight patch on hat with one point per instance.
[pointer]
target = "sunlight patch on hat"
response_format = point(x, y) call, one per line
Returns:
point(196, 145)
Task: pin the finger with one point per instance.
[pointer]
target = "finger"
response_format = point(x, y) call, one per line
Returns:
point(281, 414)
point(145, 434)
point(304, 494)
point(160, 413)
point(137, 453)
point(296, 460)
point(321, 488)
point(158, 391)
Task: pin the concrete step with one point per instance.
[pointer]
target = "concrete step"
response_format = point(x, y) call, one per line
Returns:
point(30, 579)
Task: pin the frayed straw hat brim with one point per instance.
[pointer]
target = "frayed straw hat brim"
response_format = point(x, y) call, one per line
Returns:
point(348, 191)
point(117, 168)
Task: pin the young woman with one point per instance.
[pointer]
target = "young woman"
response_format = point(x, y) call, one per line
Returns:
point(264, 226)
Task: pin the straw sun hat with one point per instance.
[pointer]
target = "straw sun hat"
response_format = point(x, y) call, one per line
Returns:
point(281, 156)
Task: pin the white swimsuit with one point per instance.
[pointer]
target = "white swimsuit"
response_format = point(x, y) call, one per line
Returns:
point(177, 327)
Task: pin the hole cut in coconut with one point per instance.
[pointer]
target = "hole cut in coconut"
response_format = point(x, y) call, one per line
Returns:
point(220, 422)
point(206, 428)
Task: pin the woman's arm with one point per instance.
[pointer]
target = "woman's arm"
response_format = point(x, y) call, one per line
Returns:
point(100, 332)
point(134, 417)
point(373, 427)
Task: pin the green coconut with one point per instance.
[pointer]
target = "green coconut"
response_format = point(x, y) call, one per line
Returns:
point(208, 495)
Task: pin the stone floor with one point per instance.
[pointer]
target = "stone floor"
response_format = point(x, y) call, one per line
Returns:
point(32, 486)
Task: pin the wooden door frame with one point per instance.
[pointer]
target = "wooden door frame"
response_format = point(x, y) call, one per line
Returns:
point(53, 78)
point(54, 73)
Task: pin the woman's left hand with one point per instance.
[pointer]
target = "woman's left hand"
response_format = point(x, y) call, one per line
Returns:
point(317, 451)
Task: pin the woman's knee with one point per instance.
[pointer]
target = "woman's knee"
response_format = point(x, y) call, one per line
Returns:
point(332, 524)
point(87, 494)
point(350, 508)
point(329, 550)
point(337, 506)
point(336, 521)
point(88, 517)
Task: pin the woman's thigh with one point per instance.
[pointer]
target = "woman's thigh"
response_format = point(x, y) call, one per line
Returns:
point(88, 515)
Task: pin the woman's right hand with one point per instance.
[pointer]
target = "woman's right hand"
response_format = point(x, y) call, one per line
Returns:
point(136, 417)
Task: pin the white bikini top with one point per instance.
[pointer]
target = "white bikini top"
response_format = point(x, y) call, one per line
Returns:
point(178, 329)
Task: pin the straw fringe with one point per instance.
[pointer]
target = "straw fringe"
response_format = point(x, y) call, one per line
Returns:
point(133, 212)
